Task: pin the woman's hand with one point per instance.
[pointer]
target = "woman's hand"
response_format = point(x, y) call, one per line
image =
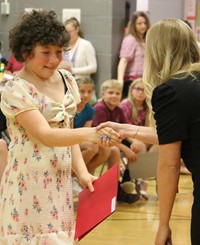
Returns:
point(125, 130)
point(115, 126)
point(163, 236)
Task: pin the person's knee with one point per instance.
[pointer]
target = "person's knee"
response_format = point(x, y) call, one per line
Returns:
point(89, 147)
point(96, 148)
point(115, 151)
point(3, 146)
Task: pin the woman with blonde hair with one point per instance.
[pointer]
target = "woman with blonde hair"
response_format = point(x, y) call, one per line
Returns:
point(172, 82)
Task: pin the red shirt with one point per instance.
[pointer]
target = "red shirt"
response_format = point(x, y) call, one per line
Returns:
point(13, 65)
point(104, 114)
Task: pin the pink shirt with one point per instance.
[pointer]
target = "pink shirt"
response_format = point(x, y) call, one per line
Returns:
point(134, 53)
point(104, 114)
point(126, 107)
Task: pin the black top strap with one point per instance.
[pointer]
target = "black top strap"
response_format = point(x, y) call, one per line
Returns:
point(63, 79)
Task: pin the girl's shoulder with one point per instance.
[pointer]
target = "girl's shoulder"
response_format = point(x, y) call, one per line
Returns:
point(130, 38)
point(125, 102)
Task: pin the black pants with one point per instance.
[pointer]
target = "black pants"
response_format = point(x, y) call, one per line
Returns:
point(126, 88)
point(195, 222)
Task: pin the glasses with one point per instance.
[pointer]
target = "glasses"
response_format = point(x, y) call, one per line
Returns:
point(139, 90)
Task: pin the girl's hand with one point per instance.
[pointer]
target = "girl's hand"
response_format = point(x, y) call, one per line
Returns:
point(138, 146)
point(86, 181)
point(130, 155)
point(107, 137)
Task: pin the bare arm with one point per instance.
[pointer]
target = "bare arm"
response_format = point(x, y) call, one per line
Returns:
point(130, 155)
point(121, 69)
point(144, 134)
point(167, 177)
point(38, 127)
point(91, 63)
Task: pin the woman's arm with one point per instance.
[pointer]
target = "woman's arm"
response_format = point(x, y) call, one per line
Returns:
point(167, 179)
point(142, 133)
point(91, 63)
point(121, 69)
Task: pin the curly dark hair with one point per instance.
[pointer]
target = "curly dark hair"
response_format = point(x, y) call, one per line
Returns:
point(37, 27)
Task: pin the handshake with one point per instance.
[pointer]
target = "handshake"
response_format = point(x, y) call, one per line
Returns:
point(111, 133)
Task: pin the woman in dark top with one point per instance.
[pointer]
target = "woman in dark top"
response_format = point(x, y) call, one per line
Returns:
point(172, 83)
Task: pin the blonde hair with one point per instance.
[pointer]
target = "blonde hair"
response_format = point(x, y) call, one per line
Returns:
point(171, 49)
point(111, 83)
point(134, 113)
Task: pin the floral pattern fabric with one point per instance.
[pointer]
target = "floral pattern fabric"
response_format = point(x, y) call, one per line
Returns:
point(36, 205)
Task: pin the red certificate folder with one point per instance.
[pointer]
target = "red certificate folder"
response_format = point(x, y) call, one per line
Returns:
point(94, 207)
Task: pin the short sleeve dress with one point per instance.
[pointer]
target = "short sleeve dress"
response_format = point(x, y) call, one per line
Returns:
point(36, 205)
point(176, 104)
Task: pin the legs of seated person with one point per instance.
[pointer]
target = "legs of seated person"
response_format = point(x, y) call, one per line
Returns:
point(138, 146)
point(88, 150)
point(3, 156)
point(101, 157)
point(112, 154)
point(153, 148)
point(114, 157)
point(140, 184)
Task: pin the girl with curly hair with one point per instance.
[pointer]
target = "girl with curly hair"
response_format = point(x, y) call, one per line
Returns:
point(36, 204)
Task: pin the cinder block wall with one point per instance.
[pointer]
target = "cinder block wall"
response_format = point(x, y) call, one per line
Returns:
point(102, 21)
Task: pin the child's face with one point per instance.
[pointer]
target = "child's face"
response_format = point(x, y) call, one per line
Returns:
point(112, 97)
point(138, 92)
point(85, 91)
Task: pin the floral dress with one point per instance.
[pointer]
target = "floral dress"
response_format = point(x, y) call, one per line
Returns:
point(36, 205)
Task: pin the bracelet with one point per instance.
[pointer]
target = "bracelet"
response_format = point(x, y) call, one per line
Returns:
point(136, 131)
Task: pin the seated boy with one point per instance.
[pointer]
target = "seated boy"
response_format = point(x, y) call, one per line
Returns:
point(107, 109)
point(93, 154)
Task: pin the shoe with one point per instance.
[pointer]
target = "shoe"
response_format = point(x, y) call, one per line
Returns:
point(128, 187)
point(76, 187)
point(123, 196)
point(141, 187)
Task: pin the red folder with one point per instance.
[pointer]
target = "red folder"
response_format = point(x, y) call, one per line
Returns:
point(94, 207)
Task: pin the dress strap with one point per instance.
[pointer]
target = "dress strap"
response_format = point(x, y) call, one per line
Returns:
point(63, 79)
